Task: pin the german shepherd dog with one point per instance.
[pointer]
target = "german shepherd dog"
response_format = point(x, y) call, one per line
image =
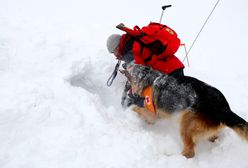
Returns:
point(203, 109)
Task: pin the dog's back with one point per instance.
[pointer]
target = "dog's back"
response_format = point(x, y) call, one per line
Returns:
point(172, 95)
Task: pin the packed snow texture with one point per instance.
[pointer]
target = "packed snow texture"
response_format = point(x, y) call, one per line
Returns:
point(56, 110)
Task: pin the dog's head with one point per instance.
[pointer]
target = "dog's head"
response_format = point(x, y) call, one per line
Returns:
point(140, 76)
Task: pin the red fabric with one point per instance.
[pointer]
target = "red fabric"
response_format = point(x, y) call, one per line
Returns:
point(123, 40)
point(160, 32)
point(166, 62)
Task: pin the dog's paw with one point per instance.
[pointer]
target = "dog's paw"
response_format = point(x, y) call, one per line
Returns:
point(188, 153)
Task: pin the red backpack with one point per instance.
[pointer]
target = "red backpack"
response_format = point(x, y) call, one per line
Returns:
point(157, 37)
point(164, 34)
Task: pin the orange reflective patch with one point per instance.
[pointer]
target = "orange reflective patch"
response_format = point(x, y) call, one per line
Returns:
point(147, 93)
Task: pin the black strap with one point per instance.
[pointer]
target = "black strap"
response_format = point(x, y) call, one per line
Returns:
point(112, 77)
point(148, 58)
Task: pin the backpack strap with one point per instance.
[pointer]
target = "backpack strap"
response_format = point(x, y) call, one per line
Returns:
point(113, 75)
point(156, 46)
point(148, 58)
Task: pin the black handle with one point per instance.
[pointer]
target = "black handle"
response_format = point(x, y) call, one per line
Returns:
point(166, 6)
point(120, 26)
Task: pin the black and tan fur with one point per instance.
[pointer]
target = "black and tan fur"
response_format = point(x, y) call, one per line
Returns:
point(203, 109)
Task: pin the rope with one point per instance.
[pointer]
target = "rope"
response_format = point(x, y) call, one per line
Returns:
point(201, 30)
point(185, 50)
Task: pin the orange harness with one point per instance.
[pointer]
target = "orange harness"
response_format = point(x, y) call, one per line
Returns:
point(149, 105)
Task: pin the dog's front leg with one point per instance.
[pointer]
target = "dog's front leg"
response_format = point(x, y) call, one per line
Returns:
point(148, 116)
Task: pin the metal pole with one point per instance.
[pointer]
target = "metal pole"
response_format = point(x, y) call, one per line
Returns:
point(161, 16)
point(163, 9)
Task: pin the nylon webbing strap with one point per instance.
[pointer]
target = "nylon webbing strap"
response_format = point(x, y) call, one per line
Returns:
point(112, 77)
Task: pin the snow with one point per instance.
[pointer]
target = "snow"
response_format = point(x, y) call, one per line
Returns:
point(56, 110)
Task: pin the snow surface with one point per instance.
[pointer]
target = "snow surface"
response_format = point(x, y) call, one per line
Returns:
point(56, 110)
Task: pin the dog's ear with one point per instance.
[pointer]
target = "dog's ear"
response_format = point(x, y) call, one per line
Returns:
point(127, 74)
point(130, 67)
